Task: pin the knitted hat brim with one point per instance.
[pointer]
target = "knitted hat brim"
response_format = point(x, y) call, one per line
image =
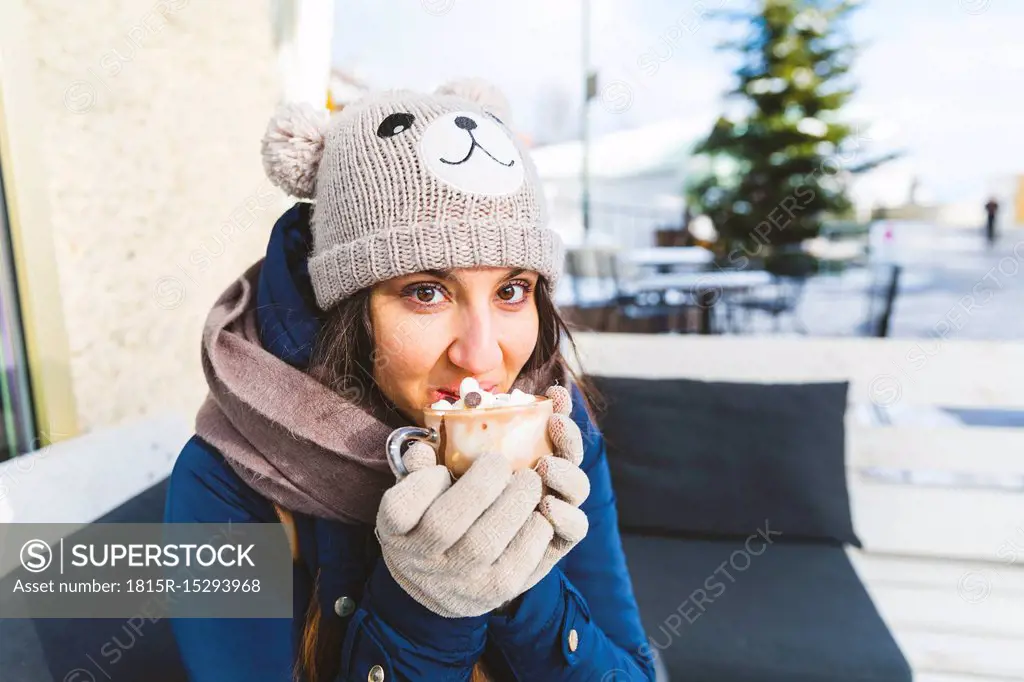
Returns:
point(342, 269)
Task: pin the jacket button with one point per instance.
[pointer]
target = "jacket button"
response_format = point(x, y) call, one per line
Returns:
point(574, 640)
point(376, 674)
point(344, 606)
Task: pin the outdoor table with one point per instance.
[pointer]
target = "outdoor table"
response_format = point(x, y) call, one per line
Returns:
point(693, 281)
point(664, 257)
point(706, 287)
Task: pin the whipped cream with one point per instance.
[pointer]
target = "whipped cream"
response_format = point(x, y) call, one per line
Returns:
point(469, 385)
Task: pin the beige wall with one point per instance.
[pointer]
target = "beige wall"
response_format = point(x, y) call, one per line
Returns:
point(148, 117)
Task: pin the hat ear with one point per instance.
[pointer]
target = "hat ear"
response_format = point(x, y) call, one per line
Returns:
point(293, 146)
point(480, 91)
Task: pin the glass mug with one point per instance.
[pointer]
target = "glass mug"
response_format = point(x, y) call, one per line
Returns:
point(519, 432)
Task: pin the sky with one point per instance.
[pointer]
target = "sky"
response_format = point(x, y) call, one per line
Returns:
point(940, 80)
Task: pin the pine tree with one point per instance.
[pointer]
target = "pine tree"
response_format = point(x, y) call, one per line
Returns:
point(772, 176)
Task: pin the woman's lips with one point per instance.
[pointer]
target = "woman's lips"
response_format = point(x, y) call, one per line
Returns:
point(436, 395)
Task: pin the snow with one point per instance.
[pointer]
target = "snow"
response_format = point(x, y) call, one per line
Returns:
point(655, 148)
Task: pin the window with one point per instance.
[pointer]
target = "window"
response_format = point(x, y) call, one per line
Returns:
point(16, 427)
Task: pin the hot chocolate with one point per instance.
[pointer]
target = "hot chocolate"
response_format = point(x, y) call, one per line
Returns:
point(514, 424)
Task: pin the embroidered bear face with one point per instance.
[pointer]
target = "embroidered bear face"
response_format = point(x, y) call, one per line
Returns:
point(470, 151)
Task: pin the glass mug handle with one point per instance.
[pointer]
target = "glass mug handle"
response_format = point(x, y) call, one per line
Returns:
point(398, 438)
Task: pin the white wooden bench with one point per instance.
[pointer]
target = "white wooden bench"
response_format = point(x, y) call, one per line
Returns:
point(938, 506)
point(80, 479)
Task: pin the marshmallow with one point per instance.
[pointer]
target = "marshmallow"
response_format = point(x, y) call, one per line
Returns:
point(471, 385)
point(468, 385)
point(518, 397)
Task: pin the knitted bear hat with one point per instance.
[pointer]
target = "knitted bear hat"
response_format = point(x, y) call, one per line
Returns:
point(405, 182)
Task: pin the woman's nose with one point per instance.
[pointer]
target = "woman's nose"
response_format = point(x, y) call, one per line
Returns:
point(475, 348)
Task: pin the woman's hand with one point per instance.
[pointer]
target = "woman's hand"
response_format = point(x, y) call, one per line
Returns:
point(561, 475)
point(468, 547)
point(463, 548)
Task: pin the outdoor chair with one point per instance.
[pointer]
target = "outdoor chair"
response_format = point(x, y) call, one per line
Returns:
point(602, 299)
point(778, 300)
point(594, 289)
point(649, 312)
point(882, 292)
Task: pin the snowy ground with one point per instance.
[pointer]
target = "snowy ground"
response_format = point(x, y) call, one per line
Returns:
point(952, 287)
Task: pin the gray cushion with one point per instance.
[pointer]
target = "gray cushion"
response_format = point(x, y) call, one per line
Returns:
point(694, 458)
point(738, 611)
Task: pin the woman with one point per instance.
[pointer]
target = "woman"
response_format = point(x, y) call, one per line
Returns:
point(425, 260)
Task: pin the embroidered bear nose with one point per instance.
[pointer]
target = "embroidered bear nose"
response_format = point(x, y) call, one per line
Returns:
point(465, 122)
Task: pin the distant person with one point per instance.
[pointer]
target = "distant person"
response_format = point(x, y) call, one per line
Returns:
point(992, 210)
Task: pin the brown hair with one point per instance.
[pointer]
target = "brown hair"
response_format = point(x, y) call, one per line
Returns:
point(343, 359)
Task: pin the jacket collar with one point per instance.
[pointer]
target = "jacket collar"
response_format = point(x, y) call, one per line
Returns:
point(287, 314)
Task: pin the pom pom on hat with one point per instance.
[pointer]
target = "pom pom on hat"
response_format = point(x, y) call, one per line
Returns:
point(481, 91)
point(293, 146)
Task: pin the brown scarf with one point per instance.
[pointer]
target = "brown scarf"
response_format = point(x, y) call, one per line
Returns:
point(291, 438)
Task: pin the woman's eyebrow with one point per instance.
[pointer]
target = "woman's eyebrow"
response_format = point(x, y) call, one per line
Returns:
point(451, 276)
point(442, 274)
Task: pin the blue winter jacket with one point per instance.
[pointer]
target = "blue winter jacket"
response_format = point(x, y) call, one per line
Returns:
point(589, 591)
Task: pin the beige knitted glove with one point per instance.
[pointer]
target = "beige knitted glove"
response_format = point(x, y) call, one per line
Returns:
point(468, 547)
point(462, 548)
point(562, 475)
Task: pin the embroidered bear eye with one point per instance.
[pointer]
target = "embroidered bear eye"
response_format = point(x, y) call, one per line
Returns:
point(495, 117)
point(394, 124)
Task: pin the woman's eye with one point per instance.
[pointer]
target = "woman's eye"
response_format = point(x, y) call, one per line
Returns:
point(513, 293)
point(428, 295)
